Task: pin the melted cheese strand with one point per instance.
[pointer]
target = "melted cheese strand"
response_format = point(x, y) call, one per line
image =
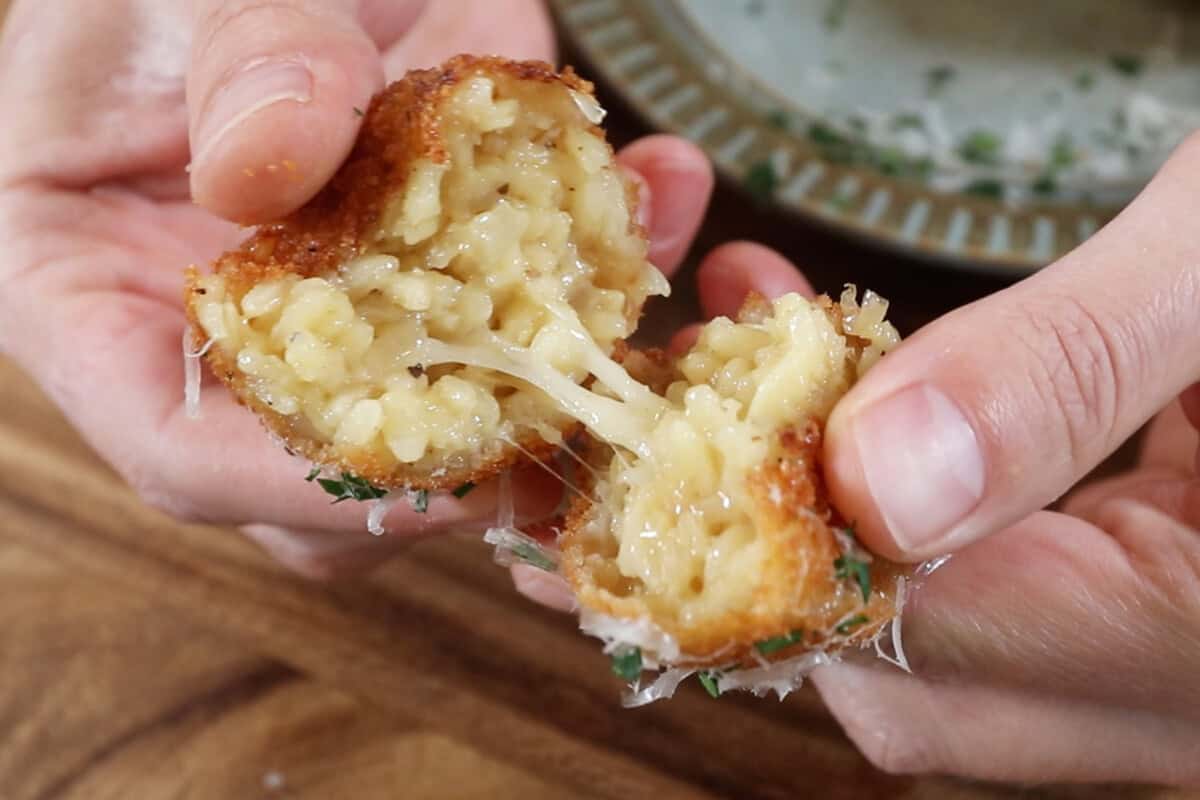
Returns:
point(192, 374)
point(611, 420)
point(544, 466)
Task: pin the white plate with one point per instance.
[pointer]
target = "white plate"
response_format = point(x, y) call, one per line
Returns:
point(984, 134)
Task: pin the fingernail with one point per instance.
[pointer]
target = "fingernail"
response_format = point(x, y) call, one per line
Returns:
point(922, 464)
point(252, 88)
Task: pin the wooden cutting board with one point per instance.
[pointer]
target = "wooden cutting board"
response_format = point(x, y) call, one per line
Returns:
point(142, 658)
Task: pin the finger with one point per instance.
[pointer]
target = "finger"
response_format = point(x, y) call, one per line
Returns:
point(544, 588)
point(683, 339)
point(388, 21)
point(1171, 442)
point(1190, 402)
point(1141, 483)
point(1099, 614)
point(728, 274)
point(680, 182)
point(998, 408)
point(905, 725)
point(1050, 627)
point(325, 555)
point(518, 29)
point(271, 92)
point(732, 271)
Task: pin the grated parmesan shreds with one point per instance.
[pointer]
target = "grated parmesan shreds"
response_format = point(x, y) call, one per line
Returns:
point(192, 373)
point(506, 515)
point(591, 110)
point(379, 511)
point(927, 568)
point(510, 542)
point(899, 659)
point(656, 644)
point(781, 677)
point(661, 688)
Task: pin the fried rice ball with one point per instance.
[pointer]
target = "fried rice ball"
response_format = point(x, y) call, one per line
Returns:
point(715, 544)
point(478, 243)
point(457, 300)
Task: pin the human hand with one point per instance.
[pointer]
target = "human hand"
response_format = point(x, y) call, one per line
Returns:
point(1052, 646)
point(97, 212)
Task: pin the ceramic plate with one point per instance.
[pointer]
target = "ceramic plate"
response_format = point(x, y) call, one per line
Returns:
point(988, 135)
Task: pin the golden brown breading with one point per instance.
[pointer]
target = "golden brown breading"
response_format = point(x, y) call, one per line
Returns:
point(404, 138)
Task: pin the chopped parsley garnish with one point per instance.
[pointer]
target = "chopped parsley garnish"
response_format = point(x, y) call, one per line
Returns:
point(347, 487)
point(908, 121)
point(849, 567)
point(627, 664)
point(937, 78)
point(822, 134)
point(893, 161)
point(777, 643)
point(761, 180)
point(1045, 185)
point(1127, 64)
point(420, 500)
point(980, 147)
point(834, 146)
point(779, 119)
point(464, 490)
point(1062, 152)
point(358, 112)
point(848, 625)
point(1085, 81)
point(708, 679)
point(987, 187)
point(835, 14)
point(534, 557)
point(840, 149)
point(841, 202)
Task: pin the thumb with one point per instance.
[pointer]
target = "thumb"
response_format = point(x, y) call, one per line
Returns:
point(995, 410)
point(274, 94)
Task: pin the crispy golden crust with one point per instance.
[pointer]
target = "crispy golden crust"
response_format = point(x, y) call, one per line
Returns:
point(401, 126)
point(797, 590)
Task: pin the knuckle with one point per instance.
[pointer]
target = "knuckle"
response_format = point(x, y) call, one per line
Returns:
point(1079, 362)
point(241, 20)
point(218, 20)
